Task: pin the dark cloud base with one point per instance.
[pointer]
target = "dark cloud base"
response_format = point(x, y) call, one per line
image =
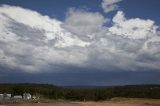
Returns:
point(82, 77)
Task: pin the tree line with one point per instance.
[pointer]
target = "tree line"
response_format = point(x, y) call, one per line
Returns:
point(95, 94)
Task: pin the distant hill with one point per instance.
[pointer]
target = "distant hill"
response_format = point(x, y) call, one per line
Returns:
point(83, 92)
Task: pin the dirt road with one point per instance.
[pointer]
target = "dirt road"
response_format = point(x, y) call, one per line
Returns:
point(132, 102)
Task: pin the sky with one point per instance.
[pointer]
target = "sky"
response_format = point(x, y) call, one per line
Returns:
point(80, 42)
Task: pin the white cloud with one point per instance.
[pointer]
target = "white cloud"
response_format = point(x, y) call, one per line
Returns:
point(83, 23)
point(50, 27)
point(110, 5)
point(32, 42)
point(132, 28)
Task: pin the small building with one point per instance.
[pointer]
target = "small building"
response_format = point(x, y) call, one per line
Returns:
point(6, 96)
point(27, 96)
point(1, 96)
point(35, 97)
point(17, 97)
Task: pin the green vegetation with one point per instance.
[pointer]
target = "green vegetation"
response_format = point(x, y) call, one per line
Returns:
point(81, 94)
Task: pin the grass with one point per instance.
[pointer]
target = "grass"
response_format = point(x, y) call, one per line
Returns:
point(4, 102)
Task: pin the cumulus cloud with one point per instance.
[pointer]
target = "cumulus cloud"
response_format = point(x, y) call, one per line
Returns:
point(110, 5)
point(84, 23)
point(49, 27)
point(132, 28)
point(32, 42)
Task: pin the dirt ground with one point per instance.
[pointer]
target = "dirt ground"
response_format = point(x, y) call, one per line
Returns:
point(130, 102)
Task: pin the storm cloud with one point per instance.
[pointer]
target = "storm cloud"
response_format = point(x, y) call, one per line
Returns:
point(32, 42)
point(82, 45)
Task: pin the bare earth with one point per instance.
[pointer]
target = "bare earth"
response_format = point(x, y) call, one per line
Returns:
point(130, 102)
